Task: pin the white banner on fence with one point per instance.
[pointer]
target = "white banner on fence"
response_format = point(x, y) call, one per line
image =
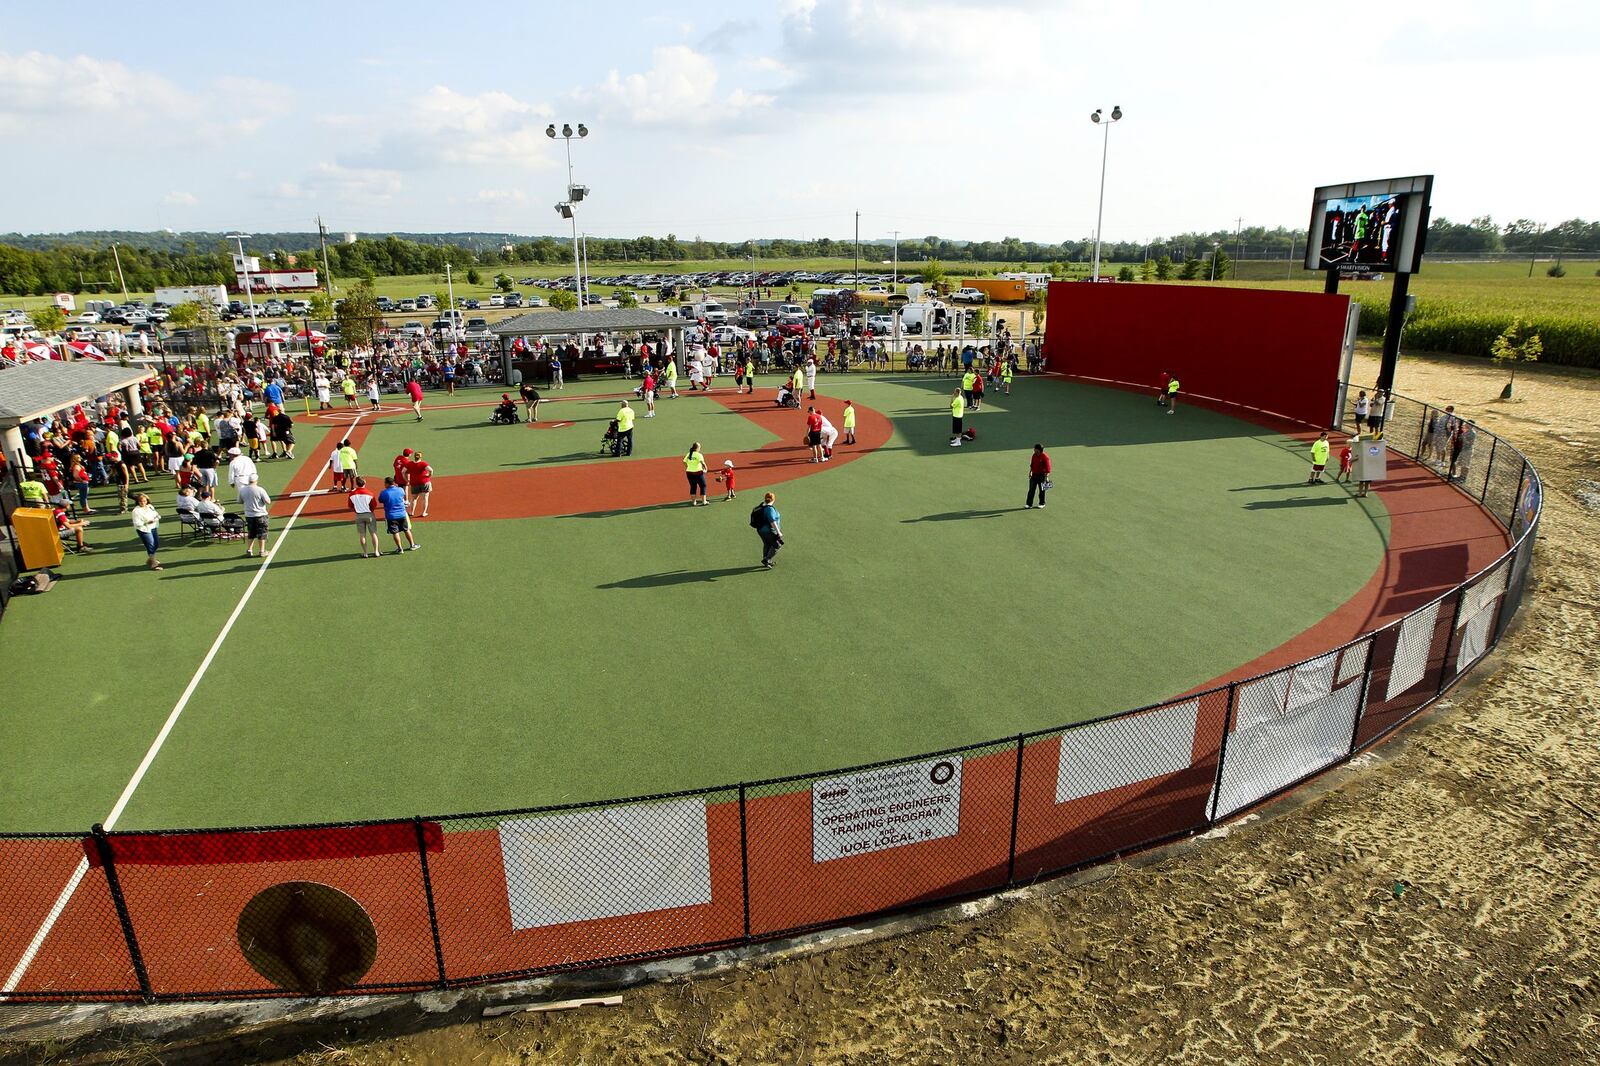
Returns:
point(1106, 755)
point(1279, 750)
point(885, 808)
point(605, 862)
point(1411, 652)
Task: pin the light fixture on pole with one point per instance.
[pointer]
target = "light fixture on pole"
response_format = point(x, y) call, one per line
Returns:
point(1105, 149)
point(567, 208)
point(1216, 246)
point(244, 265)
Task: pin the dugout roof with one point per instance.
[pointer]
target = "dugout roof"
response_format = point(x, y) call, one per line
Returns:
point(43, 388)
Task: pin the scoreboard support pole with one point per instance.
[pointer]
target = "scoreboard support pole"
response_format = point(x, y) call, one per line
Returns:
point(1391, 335)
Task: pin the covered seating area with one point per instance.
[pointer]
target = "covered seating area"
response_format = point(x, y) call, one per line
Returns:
point(524, 362)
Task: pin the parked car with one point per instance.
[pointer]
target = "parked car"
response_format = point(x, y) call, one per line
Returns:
point(384, 304)
point(497, 300)
point(513, 299)
point(414, 329)
point(297, 307)
point(471, 305)
point(535, 301)
point(406, 305)
point(86, 318)
point(881, 325)
point(757, 318)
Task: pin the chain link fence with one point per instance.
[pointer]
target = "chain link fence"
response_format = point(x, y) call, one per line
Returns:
point(472, 898)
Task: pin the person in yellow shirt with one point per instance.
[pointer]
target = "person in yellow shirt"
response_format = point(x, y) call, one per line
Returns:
point(1319, 458)
point(624, 429)
point(969, 381)
point(694, 468)
point(1006, 372)
point(958, 410)
point(750, 373)
point(849, 422)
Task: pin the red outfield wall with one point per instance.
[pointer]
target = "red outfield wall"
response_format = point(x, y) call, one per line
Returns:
point(1274, 351)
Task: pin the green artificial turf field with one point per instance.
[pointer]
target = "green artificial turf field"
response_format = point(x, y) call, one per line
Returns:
point(519, 662)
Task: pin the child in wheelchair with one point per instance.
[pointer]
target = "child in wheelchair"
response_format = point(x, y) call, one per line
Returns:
point(506, 413)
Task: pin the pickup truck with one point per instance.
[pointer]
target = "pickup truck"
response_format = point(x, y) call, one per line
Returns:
point(968, 296)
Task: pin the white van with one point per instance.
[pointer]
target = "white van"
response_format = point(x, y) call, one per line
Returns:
point(925, 318)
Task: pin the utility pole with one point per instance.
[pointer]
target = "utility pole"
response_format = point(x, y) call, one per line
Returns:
point(856, 282)
point(123, 282)
point(327, 274)
point(1238, 245)
point(894, 286)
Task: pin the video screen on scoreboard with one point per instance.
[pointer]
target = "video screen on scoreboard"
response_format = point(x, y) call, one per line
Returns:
point(1360, 232)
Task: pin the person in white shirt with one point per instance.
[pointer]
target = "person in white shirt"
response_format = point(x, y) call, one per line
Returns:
point(373, 395)
point(811, 378)
point(146, 523)
point(321, 384)
point(241, 470)
point(208, 510)
point(829, 435)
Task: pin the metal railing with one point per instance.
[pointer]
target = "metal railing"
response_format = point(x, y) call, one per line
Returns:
point(466, 899)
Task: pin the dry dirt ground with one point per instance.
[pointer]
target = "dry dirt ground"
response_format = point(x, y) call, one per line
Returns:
point(1285, 942)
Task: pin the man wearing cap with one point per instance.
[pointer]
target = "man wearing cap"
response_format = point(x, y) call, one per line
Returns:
point(624, 429)
point(347, 463)
point(240, 470)
point(402, 469)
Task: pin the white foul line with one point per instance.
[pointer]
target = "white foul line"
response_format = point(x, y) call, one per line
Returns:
point(71, 887)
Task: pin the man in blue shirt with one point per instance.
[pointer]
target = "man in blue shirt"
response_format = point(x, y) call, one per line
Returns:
point(764, 520)
point(393, 501)
point(273, 394)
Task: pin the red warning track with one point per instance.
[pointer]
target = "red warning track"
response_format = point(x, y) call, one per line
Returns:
point(615, 484)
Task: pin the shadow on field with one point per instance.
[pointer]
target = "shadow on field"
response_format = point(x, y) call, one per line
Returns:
point(676, 577)
point(953, 516)
point(1299, 501)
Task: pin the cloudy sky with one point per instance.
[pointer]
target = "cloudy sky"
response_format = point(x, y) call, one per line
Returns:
point(729, 120)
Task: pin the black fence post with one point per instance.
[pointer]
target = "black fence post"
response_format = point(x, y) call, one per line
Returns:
point(1516, 501)
point(427, 891)
point(1488, 473)
point(108, 862)
point(1016, 807)
point(1222, 750)
point(744, 858)
point(1366, 687)
point(1450, 641)
point(1422, 432)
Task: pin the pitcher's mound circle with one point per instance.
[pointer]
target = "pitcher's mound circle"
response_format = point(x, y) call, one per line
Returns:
point(307, 938)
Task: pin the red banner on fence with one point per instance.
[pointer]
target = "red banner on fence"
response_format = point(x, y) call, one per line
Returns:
point(270, 845)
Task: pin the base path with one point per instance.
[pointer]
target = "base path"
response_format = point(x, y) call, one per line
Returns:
point(618, 484)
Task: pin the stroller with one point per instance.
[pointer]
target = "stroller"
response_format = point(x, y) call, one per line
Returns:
point(611, 442)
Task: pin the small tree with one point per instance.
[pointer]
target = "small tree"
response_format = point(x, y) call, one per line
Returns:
point(628, 300)
point(441, 300)
point(1164, 268)
point(1190, 269)
point(1147, 270)
point(502, 282)
point(931, 272)
point(1516, 344)
point(1556, 271)
point(321, 306)
point(1125, 274)
point(473, 277)
point(359, 315)
point(1038, 303)
point(978, 322)
point(562, 300)
point(48, 320)
point(199, 316)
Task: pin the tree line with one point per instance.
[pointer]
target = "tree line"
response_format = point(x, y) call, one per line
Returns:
point(85, 262)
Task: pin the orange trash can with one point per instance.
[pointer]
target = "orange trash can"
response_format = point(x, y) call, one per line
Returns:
point(37, 537)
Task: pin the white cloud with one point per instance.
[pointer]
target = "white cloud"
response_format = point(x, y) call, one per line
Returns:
point(179, 198)
point(680, 88)
point(41, 94)
point(445, 127)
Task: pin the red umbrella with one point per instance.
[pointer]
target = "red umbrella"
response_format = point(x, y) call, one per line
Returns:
point(315, 334)
point(39, 352)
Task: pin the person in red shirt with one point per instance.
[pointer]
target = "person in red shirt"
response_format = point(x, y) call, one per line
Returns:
point(70, 527)
point(727, 478)
point(814, 433)
point(1038, 474)
point(402, 470)
point(361, 503)
point(414, 390)
point(1345, 455)
point(648, 391)
point(420, 474)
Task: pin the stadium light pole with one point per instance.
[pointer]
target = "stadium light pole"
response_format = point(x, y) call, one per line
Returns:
point(1105, 149)
point(244, 265)
point(568, 208)
point(1214, 246)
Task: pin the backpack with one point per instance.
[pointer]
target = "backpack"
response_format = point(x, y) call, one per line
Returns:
point(758, 519)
